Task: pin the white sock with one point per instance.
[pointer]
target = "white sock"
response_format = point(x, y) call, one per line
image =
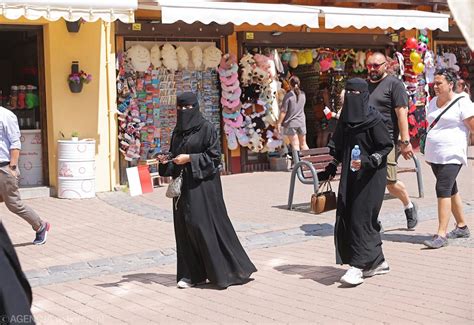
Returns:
point(409, 206)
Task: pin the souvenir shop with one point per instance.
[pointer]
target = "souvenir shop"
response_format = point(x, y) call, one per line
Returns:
point(322, 61)
point(155, 63)
point(22, 91)
point(451, 50)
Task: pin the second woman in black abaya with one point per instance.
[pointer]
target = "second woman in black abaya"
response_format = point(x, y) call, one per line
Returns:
point(206, 243)
point(361, 193)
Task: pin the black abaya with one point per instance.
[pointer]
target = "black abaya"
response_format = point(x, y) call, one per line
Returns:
point(361, 193)
point(207, 245)
point(15, 291)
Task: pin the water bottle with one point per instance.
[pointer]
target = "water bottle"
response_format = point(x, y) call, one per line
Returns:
point(355, 155)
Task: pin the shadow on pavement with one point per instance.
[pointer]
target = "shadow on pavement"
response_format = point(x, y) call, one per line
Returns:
point(23, 244)
point(167, 280)
point(318, 229)
point(326, 275)
point(402, 238)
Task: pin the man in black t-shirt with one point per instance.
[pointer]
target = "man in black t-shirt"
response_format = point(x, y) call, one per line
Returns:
point(389, 97)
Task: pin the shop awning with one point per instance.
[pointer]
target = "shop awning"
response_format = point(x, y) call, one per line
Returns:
point(384, 18)
point(70, 10)
point(236, 13)
point(463, 13)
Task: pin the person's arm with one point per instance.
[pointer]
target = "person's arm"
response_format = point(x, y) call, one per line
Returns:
point(13, 134)
point(402, 116)
point(470, 123)
point(206, 163)
point(283, 110)
point(381, 147)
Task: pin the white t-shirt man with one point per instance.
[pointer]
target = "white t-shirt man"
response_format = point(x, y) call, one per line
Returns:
point(446, 142)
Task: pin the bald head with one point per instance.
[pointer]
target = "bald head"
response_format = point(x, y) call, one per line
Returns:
point(377, 66)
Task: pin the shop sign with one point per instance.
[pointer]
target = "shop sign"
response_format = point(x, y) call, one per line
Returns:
point(249, 35)
point(137, 27)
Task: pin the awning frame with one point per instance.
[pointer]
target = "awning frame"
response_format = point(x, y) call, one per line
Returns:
point(123, 10)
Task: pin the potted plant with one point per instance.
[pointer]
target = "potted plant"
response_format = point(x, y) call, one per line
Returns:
point(74, 26)
point(74, 136)
point(77, 79)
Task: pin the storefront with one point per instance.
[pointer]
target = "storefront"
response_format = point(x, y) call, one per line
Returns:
point(325, 57)
point(38, 52)
point(22, 90)
point(157, 62)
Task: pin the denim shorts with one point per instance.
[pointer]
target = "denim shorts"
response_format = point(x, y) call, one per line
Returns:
point(294, 130)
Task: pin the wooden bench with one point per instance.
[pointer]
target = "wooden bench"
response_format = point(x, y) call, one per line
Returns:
point(308, 163)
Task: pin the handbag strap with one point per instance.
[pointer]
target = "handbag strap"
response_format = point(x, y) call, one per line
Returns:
point(432, 125)
point(325, 187)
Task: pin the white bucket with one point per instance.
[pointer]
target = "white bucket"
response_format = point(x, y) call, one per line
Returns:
point(76, 169)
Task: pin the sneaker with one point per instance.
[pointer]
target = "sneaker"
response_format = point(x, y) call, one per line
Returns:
point(459, 233)
point(42, 234)
point(353, 276)
point(185, 283)
point(412, 216)
point(382, 268)
point(436, 242)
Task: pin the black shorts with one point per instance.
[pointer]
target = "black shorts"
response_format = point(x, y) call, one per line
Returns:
point(446, 179)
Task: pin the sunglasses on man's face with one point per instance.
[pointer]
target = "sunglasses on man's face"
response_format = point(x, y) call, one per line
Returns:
point(375, 66)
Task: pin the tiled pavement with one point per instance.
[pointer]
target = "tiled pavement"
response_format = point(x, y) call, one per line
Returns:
point(111, 260)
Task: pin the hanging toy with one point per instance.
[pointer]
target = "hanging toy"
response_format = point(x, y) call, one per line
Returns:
point(423, 38)
point(418, 67)
point(411, 43)
point(415, 57)
point(422, 47)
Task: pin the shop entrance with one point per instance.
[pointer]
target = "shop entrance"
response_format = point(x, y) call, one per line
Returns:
point(22, 91)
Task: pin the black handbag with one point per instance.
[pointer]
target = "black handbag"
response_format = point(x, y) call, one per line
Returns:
point(432, 125)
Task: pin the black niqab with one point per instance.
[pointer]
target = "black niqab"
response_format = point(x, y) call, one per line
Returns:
point(356, 112)
point(189, 119)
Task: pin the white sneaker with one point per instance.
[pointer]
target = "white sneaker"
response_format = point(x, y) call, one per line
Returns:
point(382, 268)
point(353, 276)
point(185, 283)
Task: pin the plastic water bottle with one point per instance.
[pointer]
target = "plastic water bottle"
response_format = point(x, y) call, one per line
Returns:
point(355, 155)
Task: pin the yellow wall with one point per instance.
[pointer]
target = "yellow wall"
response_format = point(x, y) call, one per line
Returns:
point(86, 112)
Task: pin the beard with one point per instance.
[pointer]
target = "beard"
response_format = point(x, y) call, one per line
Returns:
point(375, 75)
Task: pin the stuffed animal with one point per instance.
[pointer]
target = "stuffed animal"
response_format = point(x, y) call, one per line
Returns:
point(140, 57)
point(183, 57)
point(155, 56)
point(294, 60)
point(359, 64)
point(211, 57)
point(196, 57)
point(170, 59)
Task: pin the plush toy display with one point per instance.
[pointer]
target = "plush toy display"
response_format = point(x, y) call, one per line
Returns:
point(140, 57)
point(155, 56)
point(196, 57)
point(183, 57)
point(211, 57)
point(170, 59)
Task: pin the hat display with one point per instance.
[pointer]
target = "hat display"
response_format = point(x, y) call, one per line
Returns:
point(155, 56)
point(196, 57)
point(183, 57)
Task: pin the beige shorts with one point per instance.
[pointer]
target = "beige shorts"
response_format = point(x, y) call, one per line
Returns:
point(392, 159)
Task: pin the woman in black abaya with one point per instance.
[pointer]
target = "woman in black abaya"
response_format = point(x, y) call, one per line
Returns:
point(15, 291)
point(361, 193)
point(206, 243)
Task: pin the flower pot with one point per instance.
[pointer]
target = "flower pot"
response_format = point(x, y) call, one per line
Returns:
point(74, 138)
point(73, 26)
point(75, 87)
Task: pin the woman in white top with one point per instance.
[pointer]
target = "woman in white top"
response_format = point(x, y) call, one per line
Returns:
point(446, 152)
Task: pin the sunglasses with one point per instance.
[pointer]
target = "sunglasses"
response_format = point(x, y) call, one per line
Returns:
point(375, 66)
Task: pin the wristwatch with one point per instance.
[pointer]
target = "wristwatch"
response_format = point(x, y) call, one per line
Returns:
point(12, 167)
point(405, 142)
